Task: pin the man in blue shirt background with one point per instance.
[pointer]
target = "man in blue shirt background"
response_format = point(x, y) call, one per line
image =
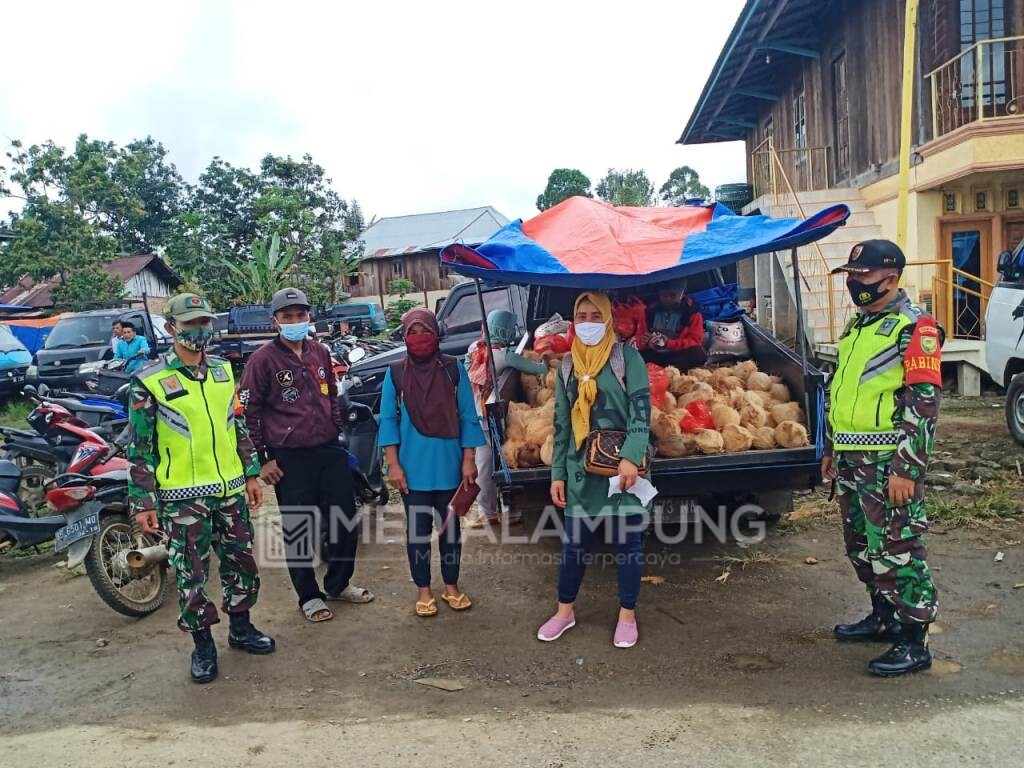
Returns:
point(132, 348)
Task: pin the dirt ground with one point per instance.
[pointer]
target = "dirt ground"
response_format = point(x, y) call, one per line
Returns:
point(731, 671)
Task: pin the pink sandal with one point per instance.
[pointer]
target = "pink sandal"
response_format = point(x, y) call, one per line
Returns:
point(555, 627)
point(626, 635)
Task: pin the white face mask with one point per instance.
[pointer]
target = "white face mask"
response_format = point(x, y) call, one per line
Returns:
point(591, 334)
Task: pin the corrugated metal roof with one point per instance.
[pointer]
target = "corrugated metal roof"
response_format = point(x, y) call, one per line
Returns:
point(401, 235)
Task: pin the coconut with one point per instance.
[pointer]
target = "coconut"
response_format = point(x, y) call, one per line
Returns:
point(764, 439)
point(709, 441)
point(736, 438)
point(511, 450)
point(682, 384)
point(787, 412)
point(723, 414)
point(780, 392)
point(759, 382)
point(789, 434)
point(700, 374)
point(528, 456)
point(744, 369)
point(701, 391)
point(753, 417)
point(677, 446)
point(547, 451)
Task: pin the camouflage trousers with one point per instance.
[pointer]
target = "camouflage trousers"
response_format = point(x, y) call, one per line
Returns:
point(196, 526)
point(885, 543)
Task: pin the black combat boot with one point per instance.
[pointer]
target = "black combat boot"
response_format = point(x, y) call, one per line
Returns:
point(245, 637)
point(204, 657)
point(878, 626)
point(909, 654)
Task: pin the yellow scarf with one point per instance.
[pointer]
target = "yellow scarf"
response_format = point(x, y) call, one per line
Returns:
point(587, 362)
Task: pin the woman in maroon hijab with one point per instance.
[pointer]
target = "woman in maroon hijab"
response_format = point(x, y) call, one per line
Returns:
point(430, 433)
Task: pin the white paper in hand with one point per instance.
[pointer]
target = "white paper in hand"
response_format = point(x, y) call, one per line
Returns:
point(642, 489)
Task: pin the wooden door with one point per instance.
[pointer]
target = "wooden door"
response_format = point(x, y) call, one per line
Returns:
point(1013, 233)
point(968, 245)
point(841, 117)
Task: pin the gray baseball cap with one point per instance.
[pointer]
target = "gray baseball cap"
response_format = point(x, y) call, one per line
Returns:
point(288, 297)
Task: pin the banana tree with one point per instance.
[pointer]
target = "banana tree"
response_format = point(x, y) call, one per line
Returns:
point(263, 274)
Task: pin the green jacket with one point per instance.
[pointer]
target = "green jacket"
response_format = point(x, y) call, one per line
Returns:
point(626, 409)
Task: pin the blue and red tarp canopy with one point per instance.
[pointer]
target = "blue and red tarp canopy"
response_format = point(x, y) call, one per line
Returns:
point(584, 243)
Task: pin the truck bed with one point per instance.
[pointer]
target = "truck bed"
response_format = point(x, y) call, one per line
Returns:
point(699, 475)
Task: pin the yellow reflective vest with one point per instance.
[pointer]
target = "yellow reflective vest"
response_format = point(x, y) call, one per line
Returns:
point(196, 442)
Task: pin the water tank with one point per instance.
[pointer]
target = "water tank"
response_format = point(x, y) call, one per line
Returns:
point(734, 196)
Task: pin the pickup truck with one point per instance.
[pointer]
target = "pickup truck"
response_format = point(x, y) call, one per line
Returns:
point(80, 343)
point(461, 323)
point(249, 327)
point(362, 318)
point(1004, 332)
point(764, 478)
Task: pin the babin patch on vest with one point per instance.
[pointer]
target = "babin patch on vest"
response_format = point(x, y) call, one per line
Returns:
point(929, 344)
point(886, 327)
point(171, 385)
point(220, 374)
point(290, 395)
point(285, 378)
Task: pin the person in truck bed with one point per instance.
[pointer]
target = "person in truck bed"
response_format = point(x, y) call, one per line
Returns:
point(674, 334)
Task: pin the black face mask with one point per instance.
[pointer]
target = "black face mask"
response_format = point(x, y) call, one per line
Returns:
point(865, 294)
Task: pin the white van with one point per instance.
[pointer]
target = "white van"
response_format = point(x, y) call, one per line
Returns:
point(1004, 337)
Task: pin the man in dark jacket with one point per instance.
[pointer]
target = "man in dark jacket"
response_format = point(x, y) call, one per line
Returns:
point(291, 405)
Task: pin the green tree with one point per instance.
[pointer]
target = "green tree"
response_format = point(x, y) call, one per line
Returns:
point(683, 183)
point(626, 188)
point(563, 183)
point(395, 309)
point(258, 278)
point(87, 288)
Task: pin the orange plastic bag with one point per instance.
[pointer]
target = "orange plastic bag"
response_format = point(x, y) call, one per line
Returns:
point(658, 377)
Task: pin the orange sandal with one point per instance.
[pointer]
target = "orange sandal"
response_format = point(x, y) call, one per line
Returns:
point(459, 602)
point(426, 608)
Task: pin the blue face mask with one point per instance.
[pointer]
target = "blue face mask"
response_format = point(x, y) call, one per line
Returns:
point(295, 331)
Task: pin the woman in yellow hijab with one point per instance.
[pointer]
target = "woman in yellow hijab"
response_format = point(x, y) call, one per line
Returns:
point(607, 389)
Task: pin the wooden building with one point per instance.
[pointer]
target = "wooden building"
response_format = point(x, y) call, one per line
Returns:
point(146, 275)
point(813, 88)
point(408, 247)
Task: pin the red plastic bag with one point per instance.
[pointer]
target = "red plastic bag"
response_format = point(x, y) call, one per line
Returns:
point(698, 416)
point(658, 377)
point(630, 318)
point(556, 343)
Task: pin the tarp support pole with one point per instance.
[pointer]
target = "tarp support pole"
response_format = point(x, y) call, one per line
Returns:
point(491, 414)
point(801, 331)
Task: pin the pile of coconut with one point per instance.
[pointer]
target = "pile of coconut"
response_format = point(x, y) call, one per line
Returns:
point(529, 434)
point(747, 409)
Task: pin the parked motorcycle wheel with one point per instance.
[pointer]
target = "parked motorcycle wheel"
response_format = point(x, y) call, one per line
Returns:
point(32, 488)
point(115, 583)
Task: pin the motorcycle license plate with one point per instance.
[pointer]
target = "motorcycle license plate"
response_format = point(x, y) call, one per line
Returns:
point(75, 530)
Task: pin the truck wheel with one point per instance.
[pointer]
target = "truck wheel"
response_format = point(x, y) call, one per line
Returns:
point(116, 584)
point(1015, 408)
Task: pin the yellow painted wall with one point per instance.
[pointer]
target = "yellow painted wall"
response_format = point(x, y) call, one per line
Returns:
point(923, 208)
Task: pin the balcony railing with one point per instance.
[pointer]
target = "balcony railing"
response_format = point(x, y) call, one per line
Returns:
point(807, 168)
point(982, 83)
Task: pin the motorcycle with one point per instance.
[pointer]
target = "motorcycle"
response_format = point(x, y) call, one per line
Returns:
point(359, 439)
point(94, 410)
point(60, 442)
point(127, 568)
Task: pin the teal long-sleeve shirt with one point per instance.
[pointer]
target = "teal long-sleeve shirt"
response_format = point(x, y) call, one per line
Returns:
point(430, 463)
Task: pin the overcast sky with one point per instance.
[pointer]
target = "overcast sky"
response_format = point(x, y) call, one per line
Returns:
point(410, 106)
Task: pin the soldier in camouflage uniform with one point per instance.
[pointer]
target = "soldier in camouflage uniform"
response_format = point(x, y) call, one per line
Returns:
point(884, 407)
point(194, 469)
